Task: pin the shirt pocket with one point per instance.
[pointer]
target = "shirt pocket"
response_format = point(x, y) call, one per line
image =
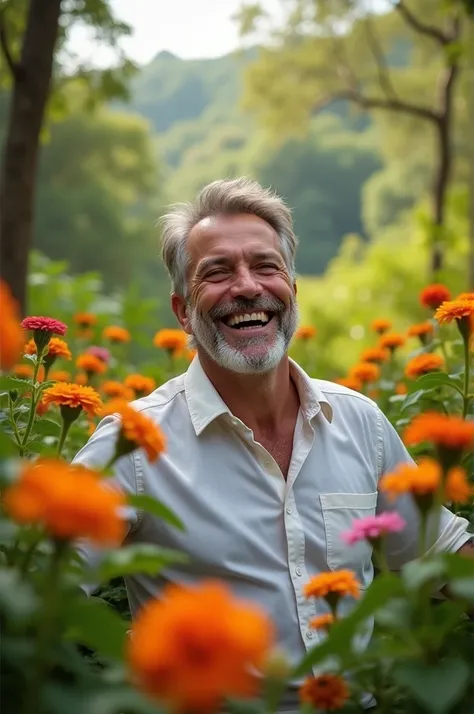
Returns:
point(339, 511)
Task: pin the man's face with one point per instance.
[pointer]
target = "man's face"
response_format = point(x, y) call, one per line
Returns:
point(241, 306)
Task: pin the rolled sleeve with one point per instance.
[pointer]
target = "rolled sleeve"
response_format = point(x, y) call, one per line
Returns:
point(447, 532)
point(95, 454)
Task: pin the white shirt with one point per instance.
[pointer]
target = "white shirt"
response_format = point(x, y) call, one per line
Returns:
point(245, 525)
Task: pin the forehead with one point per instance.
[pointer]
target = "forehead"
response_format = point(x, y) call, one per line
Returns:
point(231, 236)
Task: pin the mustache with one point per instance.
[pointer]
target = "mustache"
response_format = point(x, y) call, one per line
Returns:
point(261, 304)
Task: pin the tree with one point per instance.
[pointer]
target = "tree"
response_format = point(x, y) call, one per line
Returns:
point(314, 61)
point(31, 33)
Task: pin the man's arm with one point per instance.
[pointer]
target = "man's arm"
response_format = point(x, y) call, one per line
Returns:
point(447, 533)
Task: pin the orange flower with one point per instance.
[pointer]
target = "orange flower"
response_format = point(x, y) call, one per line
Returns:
point(22, 371)
point(322, 622)
point(433, 295)
point(460, 310)
point(117, 390)
point(42, 408)
point(11, 333)
point(365, 372)
point(401, 388)
point(116, 334)
point(420, 480)
point(73, 396)
point(171, 340)
point(392, 340)
point(465, 296)
point(449, 432)
point(341, 582)
point(305, 332)
point(91, 364)
point(60, 375)
point(350, 382)
point(141, 385)
point(56, 349)
point(326, 692)
point(81, 379)
point(137, 430)
point(421, 330)
point(422, 364)
point(381, 326)
point(457, 488)
point(85, 320)
point(46, 493)
point(374, 354)
point(196, 646)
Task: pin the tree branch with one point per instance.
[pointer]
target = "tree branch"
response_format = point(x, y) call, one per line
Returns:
point(380, 61)
point(12, 65)
point(394, 105)
point(422, 28)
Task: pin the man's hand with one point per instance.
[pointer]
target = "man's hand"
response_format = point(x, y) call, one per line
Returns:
point(467, 550)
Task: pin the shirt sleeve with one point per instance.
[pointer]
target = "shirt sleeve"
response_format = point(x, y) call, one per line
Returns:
point(447, 533)
point(95, 454)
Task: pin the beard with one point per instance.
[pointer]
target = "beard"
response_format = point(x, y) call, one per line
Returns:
point(206, 334)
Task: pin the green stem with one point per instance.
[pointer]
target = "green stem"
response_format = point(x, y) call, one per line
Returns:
point(46, 632)
point(34, 403)
point(422, 534)
point(13, 423)
point(467, 364)
point(29, 554)
point(62, 438)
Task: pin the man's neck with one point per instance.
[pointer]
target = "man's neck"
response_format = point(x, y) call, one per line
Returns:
point(264, 402)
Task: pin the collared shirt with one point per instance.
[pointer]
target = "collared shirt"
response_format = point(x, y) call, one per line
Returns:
point(264, 536)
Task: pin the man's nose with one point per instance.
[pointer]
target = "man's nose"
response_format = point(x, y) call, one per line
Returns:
point(245, 285)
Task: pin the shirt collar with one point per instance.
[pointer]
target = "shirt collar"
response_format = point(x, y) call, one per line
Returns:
point(205, 404)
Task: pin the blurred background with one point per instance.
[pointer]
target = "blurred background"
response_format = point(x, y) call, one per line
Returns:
point(361, 114)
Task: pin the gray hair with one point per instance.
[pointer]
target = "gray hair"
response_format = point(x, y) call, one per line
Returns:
point(223, 197)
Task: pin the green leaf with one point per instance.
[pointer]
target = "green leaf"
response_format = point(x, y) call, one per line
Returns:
point(17, 598)
point(413, 398)
point(46, 427)
point(436, 687)
point(8, 384)
point(156, 508)
point(97, 626)
point(463, 588)
point(140, 558)
point(438, 379)
point(418, 572)
point(383, 589)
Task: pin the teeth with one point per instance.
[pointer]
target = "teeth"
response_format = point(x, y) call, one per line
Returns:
point(237, 319)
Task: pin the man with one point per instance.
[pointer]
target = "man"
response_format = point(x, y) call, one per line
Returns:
point(265, 466)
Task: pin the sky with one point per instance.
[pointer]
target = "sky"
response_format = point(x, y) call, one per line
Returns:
point(190, 29)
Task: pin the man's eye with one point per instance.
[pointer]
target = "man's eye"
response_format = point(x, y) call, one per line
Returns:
point(267, 268)
point(220, 273)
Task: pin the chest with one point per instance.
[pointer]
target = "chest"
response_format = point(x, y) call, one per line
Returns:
point(280, 448)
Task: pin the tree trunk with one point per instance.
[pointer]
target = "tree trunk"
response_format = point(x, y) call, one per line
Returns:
point(31, 86)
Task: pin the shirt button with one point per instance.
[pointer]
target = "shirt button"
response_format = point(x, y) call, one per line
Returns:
point(298, 571)
point(309, 635)
point(289, 510)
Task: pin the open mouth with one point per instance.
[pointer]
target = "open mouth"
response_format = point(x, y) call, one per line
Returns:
point(248, 320)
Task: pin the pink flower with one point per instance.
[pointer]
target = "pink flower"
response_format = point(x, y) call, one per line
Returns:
point(101, 352)
point(373, 527)
point(46, 324)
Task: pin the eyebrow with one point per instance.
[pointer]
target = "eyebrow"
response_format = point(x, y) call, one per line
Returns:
point(208, 263)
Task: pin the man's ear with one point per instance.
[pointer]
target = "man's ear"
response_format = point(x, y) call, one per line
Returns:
point(179, 307)
point(295, 287)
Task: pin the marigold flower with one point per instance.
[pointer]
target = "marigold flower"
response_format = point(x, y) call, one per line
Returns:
point(340, 582)
point(327, 692)
point(421, 330)
point(305, 332)
point(11, 334)
point(465, 296)
point(73, 396)
point(22, 371)
point(350, 382)
point(381, 326)
point(41, 408)
point(91, 364)
point(365, 372)
point(420, 480)
point(391, 341)
point(423, 364)
point(449, 432)
point(60, 375)
point(46, 493)
point(462, 311)
point(137, 430)
point(85, 320)
point(141, 385)
point(373, 527)
point(171, 340)
point(56, 349)
point(81, 379)
point(116, 334)
point(374, 354)
point(457, 488)
point(322, 622)
point(101, 352)
point(45, 324)
point(117, 390)
point(176, 651)
point(433, 295)
point(401, 388)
